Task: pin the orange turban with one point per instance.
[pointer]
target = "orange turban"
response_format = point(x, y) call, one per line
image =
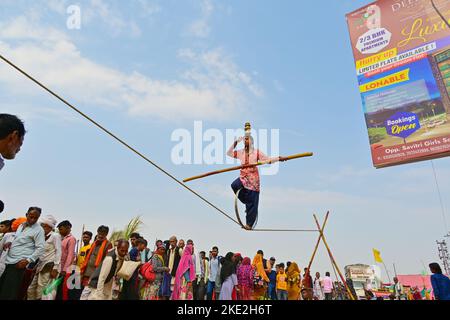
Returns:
point(15, 225)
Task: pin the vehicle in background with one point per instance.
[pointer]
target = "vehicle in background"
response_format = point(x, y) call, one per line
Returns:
point(363, 275)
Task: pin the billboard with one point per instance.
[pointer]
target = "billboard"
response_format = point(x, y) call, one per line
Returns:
point(402, 60)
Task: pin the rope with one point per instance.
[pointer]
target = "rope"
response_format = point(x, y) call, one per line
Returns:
point(236, 208)
point(134, 150)
point(440, 14)
point(115, 137)
point(284, 230)
point(440, 197)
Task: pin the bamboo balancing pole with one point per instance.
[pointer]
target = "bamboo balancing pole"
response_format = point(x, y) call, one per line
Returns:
point(295, 156)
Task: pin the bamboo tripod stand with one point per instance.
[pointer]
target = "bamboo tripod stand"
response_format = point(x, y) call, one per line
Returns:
point(330, 254)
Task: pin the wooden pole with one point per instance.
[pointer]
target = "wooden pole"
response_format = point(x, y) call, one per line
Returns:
point(81, 240)
point(333, 260)
point(315, 249)
point(295, 156)
point(318, 241)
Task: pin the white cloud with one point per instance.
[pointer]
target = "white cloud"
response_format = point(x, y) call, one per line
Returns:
point(282, 197)
point(39, 112)
point(214, 67)
point(344, 173)
point(148, 8)
point(106, 13)
point(58, 6)
point(21, 28)
point(200, 28)
point(291, 197)
point(212, 88)
point(99, 10)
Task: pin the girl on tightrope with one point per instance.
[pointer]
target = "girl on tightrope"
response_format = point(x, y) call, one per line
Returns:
point(248, 182)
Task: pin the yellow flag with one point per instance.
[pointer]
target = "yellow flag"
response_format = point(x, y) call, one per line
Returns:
point(377, 256)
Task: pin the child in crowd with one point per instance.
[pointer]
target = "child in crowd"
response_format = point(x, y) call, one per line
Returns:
point(281, 283)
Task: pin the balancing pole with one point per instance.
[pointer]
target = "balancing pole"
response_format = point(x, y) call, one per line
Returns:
point(318, 241)
point(295, 156)
point(333, 261)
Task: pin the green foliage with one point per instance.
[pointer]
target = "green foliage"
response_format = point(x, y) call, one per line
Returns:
point(133, 226)
point(377, 134)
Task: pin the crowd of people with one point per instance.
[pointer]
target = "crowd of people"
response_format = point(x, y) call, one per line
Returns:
point(37, 262)
point(34, 256)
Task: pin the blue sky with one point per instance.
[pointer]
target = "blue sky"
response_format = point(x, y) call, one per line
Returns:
point(147, 68)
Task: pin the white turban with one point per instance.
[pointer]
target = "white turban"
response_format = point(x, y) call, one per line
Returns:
point(49, 220)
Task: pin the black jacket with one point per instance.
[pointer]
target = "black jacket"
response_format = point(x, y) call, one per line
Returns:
point(176, 261)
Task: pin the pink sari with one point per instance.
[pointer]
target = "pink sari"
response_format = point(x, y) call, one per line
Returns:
point(245, 280)
point(182, 287)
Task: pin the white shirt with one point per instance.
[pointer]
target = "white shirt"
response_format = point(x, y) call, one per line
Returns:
point(8, 237)
point(214, 268)
point(52, 252)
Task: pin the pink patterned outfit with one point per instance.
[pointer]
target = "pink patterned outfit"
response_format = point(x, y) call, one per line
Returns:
point(248, 183)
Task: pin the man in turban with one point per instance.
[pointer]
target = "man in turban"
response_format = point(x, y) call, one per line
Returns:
point(48, 266)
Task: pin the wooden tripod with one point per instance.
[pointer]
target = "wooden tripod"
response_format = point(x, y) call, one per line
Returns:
point(333, 261)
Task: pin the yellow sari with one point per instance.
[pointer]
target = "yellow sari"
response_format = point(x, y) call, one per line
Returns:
point(294, 280)
point(259, 291)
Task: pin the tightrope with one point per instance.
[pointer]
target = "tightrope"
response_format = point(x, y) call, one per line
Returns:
point(115, 137)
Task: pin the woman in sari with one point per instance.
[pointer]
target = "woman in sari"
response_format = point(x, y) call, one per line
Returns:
point(182, 289)
point(261, 280)
point(228, 277)
point(150, 290)
point(294, 281)
point(245, 280)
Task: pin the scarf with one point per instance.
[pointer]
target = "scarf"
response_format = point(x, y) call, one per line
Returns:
point(259, 268)
point(293, 272)
point(100, 255)
point(186, 264)
point(159, 253)
point(244, 273)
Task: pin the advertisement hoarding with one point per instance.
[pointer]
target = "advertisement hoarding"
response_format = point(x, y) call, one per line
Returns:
point(402, 61)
